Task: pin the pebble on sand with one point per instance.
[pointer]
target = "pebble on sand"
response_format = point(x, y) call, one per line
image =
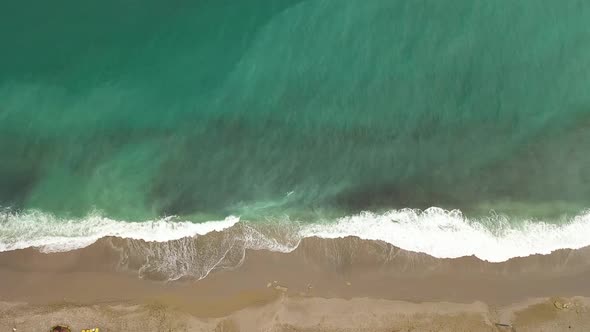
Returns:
point(560, 305)
point(281, 288)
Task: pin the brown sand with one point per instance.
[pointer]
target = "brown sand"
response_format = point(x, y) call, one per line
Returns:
point(324, 285)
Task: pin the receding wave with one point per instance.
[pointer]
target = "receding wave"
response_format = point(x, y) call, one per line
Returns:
point(437, 232)
point(52, 234)
point(449, 234)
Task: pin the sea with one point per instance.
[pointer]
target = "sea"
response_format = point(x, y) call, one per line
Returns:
point(448, 127)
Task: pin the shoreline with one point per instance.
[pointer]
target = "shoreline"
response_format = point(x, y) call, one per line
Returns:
point(346, 273)
point(442, 233)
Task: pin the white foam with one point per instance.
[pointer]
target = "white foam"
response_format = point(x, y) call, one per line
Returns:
point(437, 232)
point(448, 234)
point(51, 234)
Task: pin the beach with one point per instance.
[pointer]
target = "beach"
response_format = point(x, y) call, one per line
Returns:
point(295, 165)
point(344, 284)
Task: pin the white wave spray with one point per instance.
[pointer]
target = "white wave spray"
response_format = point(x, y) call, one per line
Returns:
point(437, 232)
point(51, 234)
point(449, 234)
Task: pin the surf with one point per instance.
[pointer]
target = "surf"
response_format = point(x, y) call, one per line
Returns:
point(435, 231)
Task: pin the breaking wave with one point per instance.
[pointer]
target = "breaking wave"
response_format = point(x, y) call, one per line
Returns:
point(434, 231)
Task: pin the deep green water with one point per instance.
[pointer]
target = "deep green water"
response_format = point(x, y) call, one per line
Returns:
point(148, 108)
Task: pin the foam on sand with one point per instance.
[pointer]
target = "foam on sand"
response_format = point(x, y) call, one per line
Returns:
point(52, 234)
point(437, 232)
point(449, 234)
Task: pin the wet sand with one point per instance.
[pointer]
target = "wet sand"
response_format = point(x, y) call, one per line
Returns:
point(324, 285)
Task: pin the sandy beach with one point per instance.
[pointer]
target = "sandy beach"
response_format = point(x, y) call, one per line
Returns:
point(344, 284)
point(295, 165)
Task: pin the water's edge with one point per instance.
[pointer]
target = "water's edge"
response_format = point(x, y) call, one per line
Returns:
point(175, 249)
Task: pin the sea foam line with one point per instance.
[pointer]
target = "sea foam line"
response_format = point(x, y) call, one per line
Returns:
point(437, 232)
point(448, 234)
point(50, 234)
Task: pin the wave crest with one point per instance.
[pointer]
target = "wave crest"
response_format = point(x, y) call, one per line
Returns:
point(170, 248)
point(52, 234)
point(449, 234)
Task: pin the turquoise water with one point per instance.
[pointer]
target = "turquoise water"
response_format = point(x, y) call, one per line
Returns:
point(274, 107)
